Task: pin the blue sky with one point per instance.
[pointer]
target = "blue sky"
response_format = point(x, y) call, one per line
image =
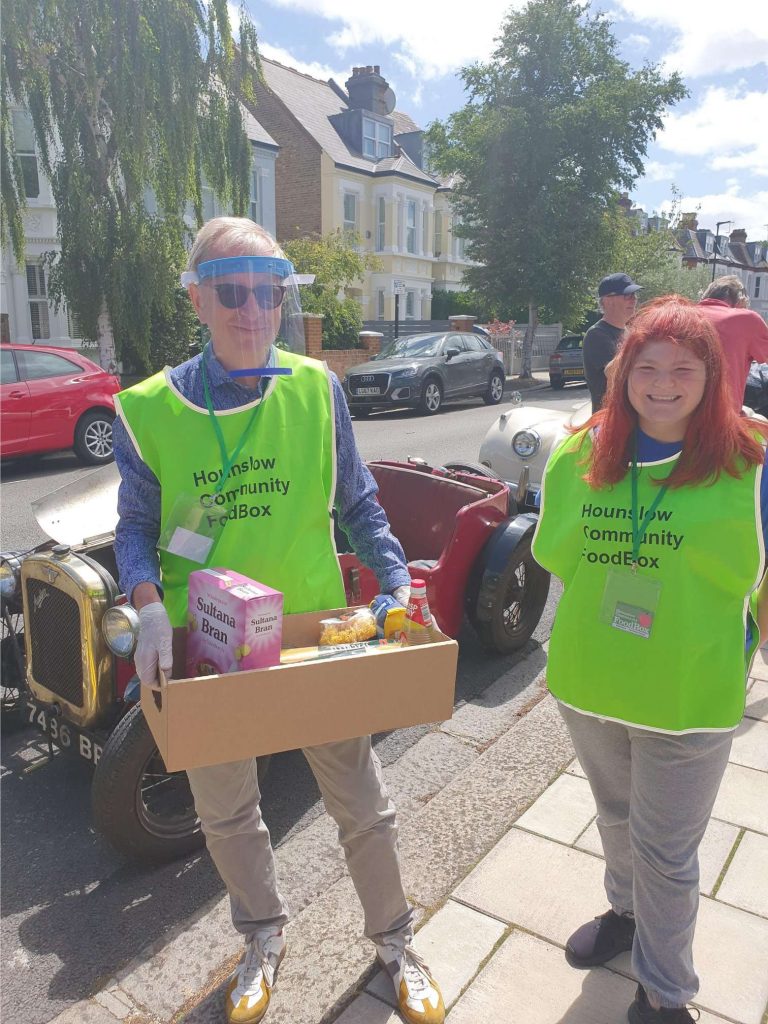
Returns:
point(714, 146)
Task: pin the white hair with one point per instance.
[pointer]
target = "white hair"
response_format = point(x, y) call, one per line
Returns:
point(226, 233)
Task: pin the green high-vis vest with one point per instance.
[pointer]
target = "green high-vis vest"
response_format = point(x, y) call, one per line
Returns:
point(277, 501)
point(704, 545)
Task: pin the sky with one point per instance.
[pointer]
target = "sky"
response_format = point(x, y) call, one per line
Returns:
point(713, 147)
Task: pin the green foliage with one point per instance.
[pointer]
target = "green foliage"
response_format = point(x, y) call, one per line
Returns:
point(337, 264)
point(555, 124)
point(447, 303)
point(132, 102)
point(176, 334)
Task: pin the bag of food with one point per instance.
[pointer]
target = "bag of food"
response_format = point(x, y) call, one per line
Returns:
point(348, 629)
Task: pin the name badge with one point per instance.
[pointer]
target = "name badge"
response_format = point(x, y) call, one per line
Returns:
point(630, 602)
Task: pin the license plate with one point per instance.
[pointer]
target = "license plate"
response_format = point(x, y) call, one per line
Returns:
point(65, 735)
point(575, 372)
point(369, 391)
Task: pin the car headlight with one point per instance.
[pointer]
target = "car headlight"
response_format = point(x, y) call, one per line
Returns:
point(407, 371)
point(526, 443)
point(120, 628)
point(10, 573)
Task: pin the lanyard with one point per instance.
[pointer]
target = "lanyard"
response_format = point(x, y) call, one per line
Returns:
point(638, 528)
point(226, 460)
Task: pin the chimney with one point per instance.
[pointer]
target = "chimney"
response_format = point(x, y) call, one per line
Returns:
point(690, 221)
point(739, 235)
point(367, 90)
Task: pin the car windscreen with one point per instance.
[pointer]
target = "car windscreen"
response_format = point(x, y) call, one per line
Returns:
point(415, 347)
point(569, 343)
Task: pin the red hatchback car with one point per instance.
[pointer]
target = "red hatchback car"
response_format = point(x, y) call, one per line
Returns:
point(53, 398)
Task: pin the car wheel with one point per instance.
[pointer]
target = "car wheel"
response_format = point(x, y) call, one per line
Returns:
point(557, 382)
point(495, 391)
point(93, 437)
point(519, 600)
point(431, 396)
point(12, 684)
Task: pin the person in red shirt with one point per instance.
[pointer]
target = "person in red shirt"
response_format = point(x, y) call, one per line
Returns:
point(743, 333)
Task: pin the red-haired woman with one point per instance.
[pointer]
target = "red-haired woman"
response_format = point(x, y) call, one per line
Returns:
point(651, 516)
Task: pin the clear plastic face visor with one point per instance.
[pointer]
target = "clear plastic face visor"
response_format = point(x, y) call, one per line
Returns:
point(251, 307)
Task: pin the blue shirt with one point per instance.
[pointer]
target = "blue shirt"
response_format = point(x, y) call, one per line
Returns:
point(359, 513)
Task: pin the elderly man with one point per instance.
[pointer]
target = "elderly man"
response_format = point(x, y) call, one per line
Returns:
point(617, 298)
point(245, 394)
point(743, 333)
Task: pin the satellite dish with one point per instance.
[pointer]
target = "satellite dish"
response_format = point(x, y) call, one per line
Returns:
point(389, 100)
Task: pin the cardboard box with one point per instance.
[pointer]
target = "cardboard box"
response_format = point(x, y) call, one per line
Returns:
point(238, 715)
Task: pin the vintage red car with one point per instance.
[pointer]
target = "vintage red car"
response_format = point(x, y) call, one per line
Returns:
point(69, 634)
point(54, 398)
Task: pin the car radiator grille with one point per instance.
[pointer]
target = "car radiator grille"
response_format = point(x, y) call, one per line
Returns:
point(54, 631)
point(368, 380)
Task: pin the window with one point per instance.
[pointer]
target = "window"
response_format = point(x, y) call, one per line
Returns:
point(410, 226)
point(438, 234)
point(459, 243)
point(377, 139)
point(424, 229)
point(380, 304)
point(256, 209)
point(8, 373)
point(757, 286)
point(37, 365)
point(410, 304)
point(24, 143)
point(350, 211)
point(38, 303)
point(472, 343)
point(75, 330)
point(381, 223)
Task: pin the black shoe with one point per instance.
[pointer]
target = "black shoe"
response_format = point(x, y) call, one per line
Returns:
point(600, 940)
point(641, 1012)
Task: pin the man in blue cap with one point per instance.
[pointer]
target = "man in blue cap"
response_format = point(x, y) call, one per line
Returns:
point(617, 299)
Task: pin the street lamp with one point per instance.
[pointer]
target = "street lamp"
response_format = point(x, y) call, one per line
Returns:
point(717, 235)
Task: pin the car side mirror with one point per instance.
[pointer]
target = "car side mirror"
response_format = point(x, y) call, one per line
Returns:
point(451, 352)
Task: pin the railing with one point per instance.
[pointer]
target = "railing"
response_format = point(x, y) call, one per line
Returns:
point(511, 347)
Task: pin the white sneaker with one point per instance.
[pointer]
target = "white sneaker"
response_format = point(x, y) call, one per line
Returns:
point(419, 999)
point(250, 987)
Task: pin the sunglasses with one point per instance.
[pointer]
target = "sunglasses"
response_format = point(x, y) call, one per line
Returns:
point(233, 296)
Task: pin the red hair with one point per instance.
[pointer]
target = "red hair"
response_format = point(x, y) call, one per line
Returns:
point(717, 439)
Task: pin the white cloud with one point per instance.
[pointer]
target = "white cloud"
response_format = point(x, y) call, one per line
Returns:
point(744, 211)
point(726, 131)
point(422, 32)
point(638, 40)
point(313, 68)
point(657, 171)
point(706, 38)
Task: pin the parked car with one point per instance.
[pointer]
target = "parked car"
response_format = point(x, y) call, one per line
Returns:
point(519, 442)
point(69, 635)
point(567, 361)
point(53, 398)
point(423, 371)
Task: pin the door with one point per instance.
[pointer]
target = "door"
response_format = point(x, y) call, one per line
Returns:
point(15, 406)
point(55, 396)
point(482, 360)
point(458, 370)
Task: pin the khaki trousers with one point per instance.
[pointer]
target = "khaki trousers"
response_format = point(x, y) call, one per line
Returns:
point(350, 780)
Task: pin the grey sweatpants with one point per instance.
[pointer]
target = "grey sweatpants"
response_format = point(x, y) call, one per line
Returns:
point(349, 776)
point(654, 794)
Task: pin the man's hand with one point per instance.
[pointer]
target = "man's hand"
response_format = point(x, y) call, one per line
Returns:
point(155, 646)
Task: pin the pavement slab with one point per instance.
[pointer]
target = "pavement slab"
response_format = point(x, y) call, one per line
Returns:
point(454, 943)
point(746, 882)
point(562, 812)
point(750, 745)
point(743, 798)
point(537, 884)
point(757, 700)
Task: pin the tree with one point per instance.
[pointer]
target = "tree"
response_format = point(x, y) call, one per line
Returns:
point(653, 259)
point(337, 263)
point(132, 102)
point(554, 126)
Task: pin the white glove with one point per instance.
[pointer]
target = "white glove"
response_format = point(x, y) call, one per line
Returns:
point(402, 595)
point(155, 646)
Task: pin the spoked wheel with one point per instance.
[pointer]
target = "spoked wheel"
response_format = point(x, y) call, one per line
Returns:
point(518, 602)
point(146, 812)
point(432, 396)
point(12, 661)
